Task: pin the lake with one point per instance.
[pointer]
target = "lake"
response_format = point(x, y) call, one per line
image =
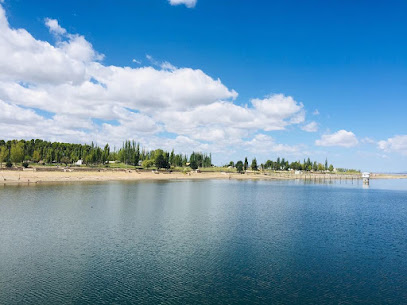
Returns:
point(204, 242)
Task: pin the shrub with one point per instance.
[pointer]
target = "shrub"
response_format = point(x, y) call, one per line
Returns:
point(9, 164)
point(25, 164)
point(147, 163)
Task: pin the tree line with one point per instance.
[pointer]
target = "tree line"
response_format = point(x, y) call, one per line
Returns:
point(282, 164)
point(131, 153)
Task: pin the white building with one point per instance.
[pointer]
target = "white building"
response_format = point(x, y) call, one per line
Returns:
point(79, 162)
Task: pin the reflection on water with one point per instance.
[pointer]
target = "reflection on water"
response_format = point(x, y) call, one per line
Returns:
point(204, 242)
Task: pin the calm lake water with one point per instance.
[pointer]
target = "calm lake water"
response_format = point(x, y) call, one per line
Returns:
point(204, 242)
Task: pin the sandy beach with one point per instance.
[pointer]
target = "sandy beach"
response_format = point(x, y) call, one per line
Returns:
point(43, 176)
point(24, 177)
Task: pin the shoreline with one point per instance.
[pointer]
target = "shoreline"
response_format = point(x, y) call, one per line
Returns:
point(26, 177)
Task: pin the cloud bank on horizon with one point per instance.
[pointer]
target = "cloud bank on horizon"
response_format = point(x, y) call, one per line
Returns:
point(64, 92)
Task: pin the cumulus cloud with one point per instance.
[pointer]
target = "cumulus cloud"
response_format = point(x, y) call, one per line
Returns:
point(23, 58)
point(226, 121)
point(310, 127)
point(86, 100)
point(77, 47)
point(340, 138)
point(396, 144)
point(280, 108)
point(264, 144)
point(187, 3)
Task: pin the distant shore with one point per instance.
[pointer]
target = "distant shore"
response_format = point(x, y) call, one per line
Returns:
point(31, 176)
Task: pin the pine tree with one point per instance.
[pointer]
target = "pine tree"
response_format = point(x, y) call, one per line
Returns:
point(254, 164)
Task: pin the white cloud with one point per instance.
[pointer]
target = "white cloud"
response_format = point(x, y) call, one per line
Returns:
point(310, 127)
point(54, 27)
point(187, 3)
point(225, 120)
point(168, 66)
point(280, 107)
point(77, 47)
point(12, 114)
point(23, 58)
point(264, 144)
point(136, 61)
point(368, 140)
point(316, 112)
point(165, 65)
point(340, 138)
point(396, 144)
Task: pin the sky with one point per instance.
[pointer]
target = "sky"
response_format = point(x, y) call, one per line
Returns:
point(264, 79)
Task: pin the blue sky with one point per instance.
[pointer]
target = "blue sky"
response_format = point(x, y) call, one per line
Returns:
point(346, 59)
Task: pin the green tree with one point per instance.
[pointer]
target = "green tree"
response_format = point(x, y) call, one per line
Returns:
point(278, 164)
point(269, 164)
point(105, 154)
point(49, 155)
point(3, 155)
point(17, 152)
point(136, 154)
point(193, 164)
point(331, 168)
point(254, 164)
point(172, 158)
point(160, 161)
point(130, 153)
point(246, 164)
point(36, 156)
point(239, 166)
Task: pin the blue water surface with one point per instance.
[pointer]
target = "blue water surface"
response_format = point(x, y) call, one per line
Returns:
point(204, 242)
